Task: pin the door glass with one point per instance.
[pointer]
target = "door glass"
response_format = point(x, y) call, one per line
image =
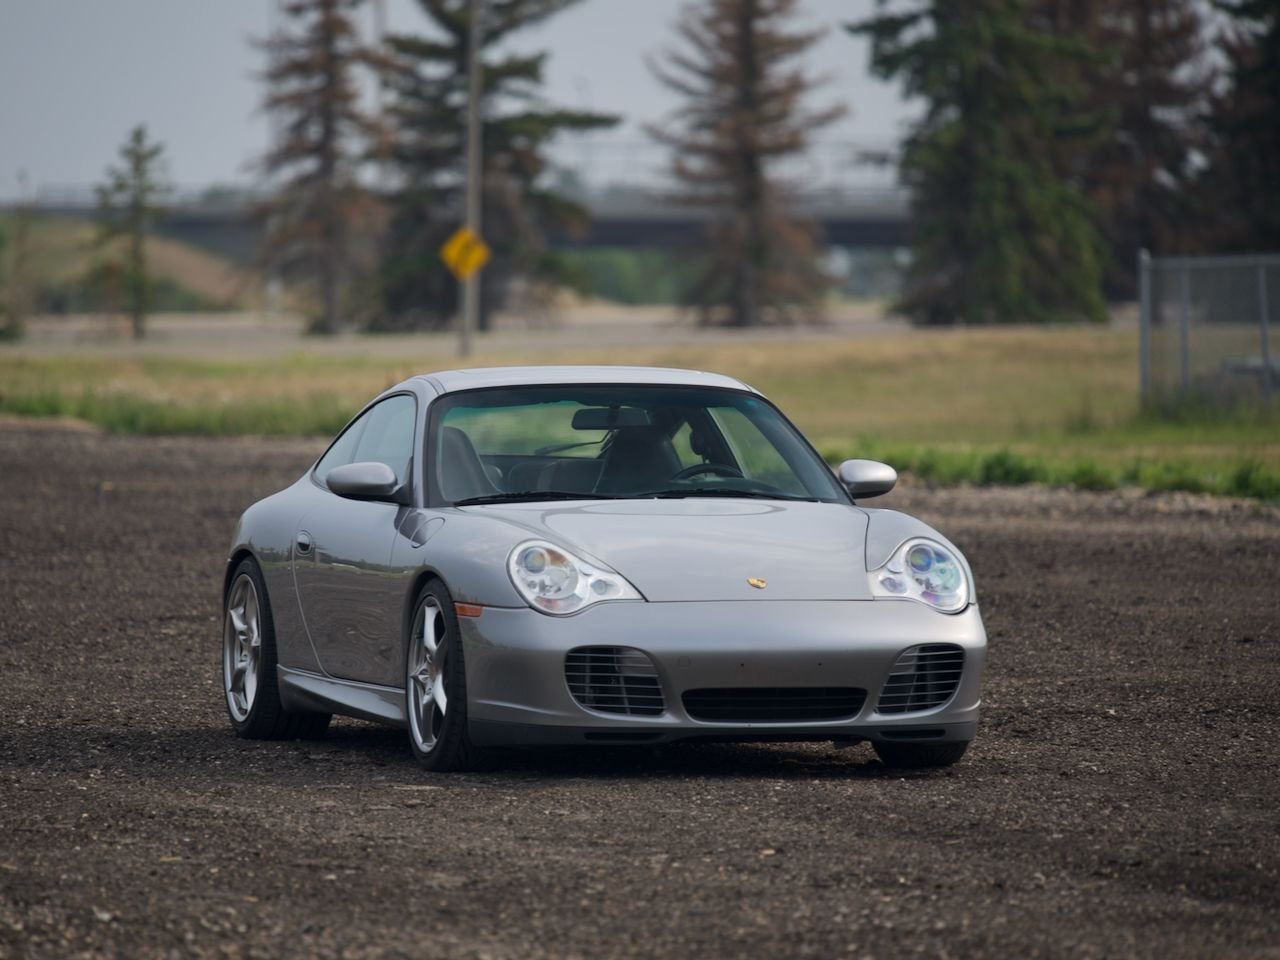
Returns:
point(384, 433)
point(388, 438)
point(343, 450)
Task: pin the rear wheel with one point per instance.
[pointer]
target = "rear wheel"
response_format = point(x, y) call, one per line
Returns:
point(249, 665)
point(917, 756)
point(436, 684)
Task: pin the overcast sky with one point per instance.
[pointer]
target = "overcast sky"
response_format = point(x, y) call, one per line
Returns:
point(76, 75)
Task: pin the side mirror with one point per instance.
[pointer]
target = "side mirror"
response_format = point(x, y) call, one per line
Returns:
point(867, 478)
point(369, 480)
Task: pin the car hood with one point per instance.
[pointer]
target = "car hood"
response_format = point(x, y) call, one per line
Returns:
point(705, 549)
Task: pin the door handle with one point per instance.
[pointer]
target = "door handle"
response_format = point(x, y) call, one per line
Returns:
point(303, 542)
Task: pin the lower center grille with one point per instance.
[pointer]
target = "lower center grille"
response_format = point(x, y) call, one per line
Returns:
point(614, 680)
point(773, 704)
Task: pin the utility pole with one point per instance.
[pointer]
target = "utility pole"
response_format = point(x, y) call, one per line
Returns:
point(383, 96)
point(471, 285)
point(273, 281)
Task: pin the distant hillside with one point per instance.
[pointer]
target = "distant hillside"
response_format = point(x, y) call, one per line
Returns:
point(69, 274)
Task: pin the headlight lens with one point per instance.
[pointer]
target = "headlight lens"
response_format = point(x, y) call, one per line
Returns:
point(926, 571)
point(555, 581)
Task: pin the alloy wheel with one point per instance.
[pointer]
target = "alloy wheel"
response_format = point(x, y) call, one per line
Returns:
point(428, 650)
point(242, 647)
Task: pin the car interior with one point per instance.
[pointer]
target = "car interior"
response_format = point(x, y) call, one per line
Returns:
point(635, 452)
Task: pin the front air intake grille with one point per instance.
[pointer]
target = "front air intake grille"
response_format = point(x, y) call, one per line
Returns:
point(773, 704)
point(923, 677)
point(614, 680)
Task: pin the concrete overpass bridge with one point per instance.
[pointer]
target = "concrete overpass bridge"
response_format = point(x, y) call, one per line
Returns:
point(845, 218)
point(621, 217)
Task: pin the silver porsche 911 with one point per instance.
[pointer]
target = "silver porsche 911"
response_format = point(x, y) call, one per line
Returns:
point(596, 555)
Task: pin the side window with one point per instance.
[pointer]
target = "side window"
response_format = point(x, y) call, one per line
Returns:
point(383, 433)
point(388, 438)
point(343, 450)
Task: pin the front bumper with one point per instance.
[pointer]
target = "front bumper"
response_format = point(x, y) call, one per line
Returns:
point(517, 692)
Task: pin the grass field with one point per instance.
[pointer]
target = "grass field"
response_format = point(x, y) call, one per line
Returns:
point(984, 406)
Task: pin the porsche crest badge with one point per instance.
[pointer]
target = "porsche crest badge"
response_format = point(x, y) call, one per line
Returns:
point(758, 582)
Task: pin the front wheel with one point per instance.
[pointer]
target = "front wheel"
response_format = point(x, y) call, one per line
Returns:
point(919, 756)
point(249, 665)
point(435, 684)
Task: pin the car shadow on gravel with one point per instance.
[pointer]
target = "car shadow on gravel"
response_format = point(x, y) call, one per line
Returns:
point(705, 761)
point(355, 750)
point(352, 743)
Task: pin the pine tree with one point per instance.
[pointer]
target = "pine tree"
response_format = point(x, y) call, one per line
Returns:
point(6, 330)
point(320, 218)
point(1242, 182)
point(1150, 74)
point(1001, 234)
point(428, 83)
point(128, 202)
point(16, 285)
point(744, 112)
point(19, 292)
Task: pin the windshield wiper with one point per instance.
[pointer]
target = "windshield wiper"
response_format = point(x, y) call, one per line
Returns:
point(531, 496)
point(676, 494)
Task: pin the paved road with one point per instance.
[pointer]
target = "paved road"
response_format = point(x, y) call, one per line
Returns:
point(572, 329)
point(1121, 800)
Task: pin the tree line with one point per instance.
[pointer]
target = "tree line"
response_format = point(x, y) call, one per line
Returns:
point(1060, 137)
point(1056, 139)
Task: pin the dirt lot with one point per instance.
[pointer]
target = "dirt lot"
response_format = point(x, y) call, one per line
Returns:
point(1121, 799)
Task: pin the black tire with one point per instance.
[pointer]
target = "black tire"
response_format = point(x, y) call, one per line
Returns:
point(445, 745)
point(919, 756)
point(265, 718)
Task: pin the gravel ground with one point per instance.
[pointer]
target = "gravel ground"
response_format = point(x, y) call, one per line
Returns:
point(1121, 799)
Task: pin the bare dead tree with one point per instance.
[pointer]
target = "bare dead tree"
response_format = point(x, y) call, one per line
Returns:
point(744, 112)
point(320, 213)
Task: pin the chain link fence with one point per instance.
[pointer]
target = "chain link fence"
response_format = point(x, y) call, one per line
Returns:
point(1207, 325)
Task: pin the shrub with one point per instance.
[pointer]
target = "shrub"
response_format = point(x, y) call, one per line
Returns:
point(1251, 479)
point(1087, 475)
point(1005, 468)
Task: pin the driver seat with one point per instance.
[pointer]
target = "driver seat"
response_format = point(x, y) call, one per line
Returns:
point(638, 459)
point(461, 474)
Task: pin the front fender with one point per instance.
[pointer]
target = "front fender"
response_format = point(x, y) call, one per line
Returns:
point(468, 552)
point(888, 529)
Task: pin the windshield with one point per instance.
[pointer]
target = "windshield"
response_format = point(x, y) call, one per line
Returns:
point(581, 442)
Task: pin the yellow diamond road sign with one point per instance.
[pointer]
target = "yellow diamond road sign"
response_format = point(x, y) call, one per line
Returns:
point(464, 253)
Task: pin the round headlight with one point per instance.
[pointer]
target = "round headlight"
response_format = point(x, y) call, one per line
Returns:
point(920, 558)
point(534, 560)
point(926, 571)
point(553, 580)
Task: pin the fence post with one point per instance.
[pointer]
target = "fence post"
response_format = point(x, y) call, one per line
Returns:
point(1264, 319)
point(1184, 330)
point(1144, 325)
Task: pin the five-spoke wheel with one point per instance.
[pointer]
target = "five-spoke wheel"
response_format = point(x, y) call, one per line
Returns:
point(242, 647)
point(428, 698)
point(435, 683)
point(249, 681)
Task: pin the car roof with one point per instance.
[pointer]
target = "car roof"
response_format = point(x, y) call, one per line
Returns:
point(447, 381)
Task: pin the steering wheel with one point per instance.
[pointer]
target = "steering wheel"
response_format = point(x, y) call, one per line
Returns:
point(718, 469)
